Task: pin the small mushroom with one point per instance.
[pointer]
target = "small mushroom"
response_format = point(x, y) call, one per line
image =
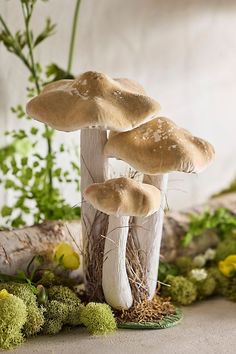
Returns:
point(157, 148)
point(123, 197)
point(160, 146)
point(120, 198)
point(93, 100)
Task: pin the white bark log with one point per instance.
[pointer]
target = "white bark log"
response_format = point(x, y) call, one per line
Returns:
point(93, 170)
point(18, 247)
point(149, 233)
point(115, 281)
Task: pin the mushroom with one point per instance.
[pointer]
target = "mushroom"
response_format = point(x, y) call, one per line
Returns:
point(157, 148)
point(120, 198)
point(93, 100)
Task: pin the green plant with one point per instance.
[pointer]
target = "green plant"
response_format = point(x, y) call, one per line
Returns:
point(36, 178)
point(220, 219)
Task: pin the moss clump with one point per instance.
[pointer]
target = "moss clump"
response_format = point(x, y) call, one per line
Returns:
point(35, 318)
point(181, 290)
point(224, 286)
point(184, 264)
point(225, 248)
point(205, 287)
point(63, 308)
point(55, 315)
point(63, 294)
point(13, 316)
point(98, 318)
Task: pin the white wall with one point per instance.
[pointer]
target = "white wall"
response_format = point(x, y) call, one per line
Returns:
point(182, 51)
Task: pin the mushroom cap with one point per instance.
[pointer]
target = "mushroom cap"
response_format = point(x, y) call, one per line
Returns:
point(123, 196)
point(93, 100)
point(160, 146)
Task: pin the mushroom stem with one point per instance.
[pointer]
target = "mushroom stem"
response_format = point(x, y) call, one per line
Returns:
point(115, 281)
point(93, 169)
point(149, 233)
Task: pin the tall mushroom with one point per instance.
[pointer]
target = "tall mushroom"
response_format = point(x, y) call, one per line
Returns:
point(120, 198)
point(95, 101)
point(157, 148)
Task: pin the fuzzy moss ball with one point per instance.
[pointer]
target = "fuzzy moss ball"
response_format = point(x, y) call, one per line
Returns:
point(63, 294)
point(13, 316)
point(225, 248)
point(55, 315)
point(98, 318)
point(224, 286)
point(184, 264)
point(205, 287)
point(63, 308)
point(35, 318)
point(229, 292)
point(181, 290)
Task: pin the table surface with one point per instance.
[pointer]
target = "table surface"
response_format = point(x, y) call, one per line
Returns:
point(208, 327)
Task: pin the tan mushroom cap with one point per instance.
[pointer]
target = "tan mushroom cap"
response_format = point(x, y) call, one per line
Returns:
point(124, 196)
point(93, 100)
point(160, 146)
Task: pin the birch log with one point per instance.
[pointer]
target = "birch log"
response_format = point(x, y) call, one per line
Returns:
point(94, 223)
point(18, 247)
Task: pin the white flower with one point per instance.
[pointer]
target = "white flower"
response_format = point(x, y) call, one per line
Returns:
point(198, 274)
point(210, 254)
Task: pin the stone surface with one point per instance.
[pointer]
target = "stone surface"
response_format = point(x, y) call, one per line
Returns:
point(208, 327)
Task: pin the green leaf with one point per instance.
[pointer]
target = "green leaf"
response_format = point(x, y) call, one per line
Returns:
point(6, 211)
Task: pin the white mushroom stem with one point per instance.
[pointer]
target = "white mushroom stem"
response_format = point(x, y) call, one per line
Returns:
point(93, 170)
point(115, 281)
point(149, 233)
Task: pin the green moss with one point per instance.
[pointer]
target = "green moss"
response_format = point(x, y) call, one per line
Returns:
point(184, 264)
point(229, 292)
point(98, 318)
point(52, 326)
point(55, 315)
point(225, 248)
point(35, 318)
point(63, 307)
point(12, 319)
point(63, 294)
point(206, 287)
point(181, 290)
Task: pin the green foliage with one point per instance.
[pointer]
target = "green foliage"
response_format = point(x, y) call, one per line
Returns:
point(35, 317)
point(224, 286)
point(166, 269)
point(98, 318)
point(181, 290)
point(226, 248)
point(231, 188)
point(13, 317)
point(34, 175)
point(220, 219)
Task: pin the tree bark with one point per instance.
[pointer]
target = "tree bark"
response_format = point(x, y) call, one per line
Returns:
point(18, 247)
